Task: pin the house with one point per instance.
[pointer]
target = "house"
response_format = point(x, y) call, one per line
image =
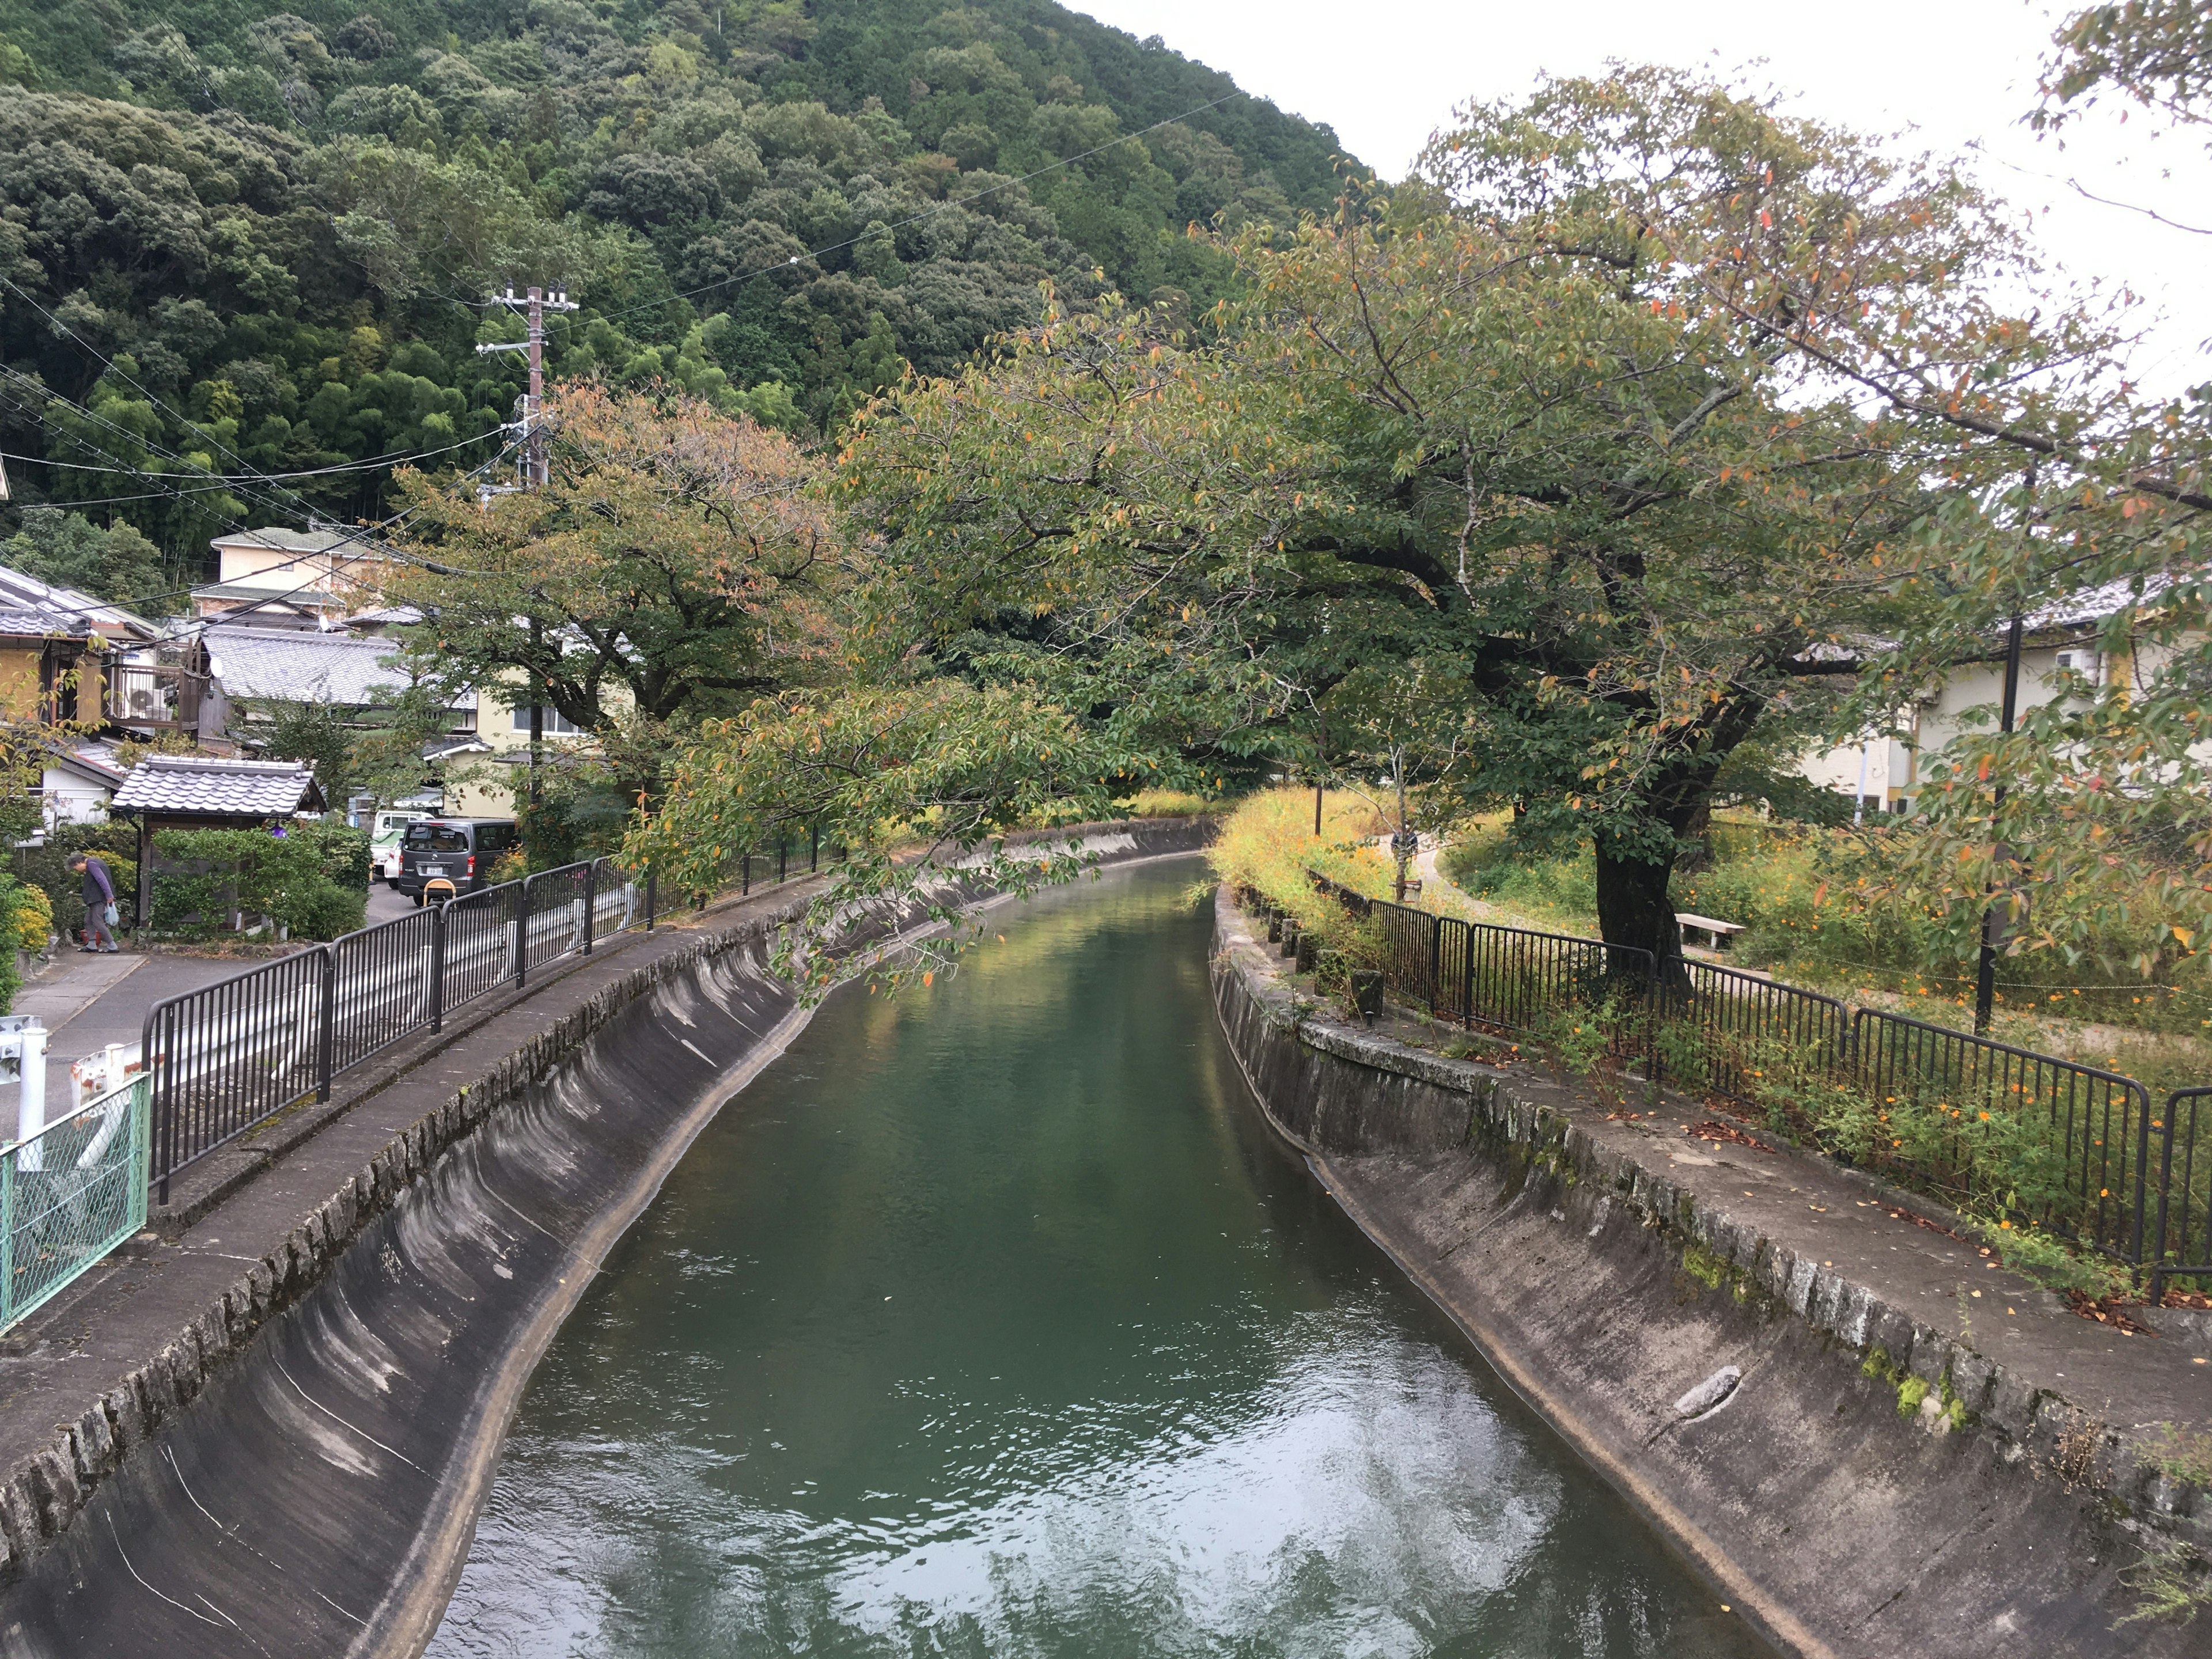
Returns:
point(294, 579)
point(1883, 768)
point(287, 665)
point(94, 663)
point(78, 784)
point(197, 791)
point(503, 734)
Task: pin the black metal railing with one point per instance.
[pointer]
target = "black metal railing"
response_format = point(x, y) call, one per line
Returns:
point(2184, 1248)
point(2085, 1154)
point(1741, 1026)
point(230, 1055)
point(2084, 1173)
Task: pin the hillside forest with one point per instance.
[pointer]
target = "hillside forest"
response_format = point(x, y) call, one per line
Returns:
point(235, 243)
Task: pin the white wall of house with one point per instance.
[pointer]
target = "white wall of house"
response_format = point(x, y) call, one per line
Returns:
point(1893, 764)
point(72, 799)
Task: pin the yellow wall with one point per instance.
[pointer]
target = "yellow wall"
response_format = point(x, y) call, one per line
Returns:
point(19, 681)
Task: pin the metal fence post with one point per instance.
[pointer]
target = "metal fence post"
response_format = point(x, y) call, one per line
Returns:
point(2142, 1171)
point(7, 1238)
point(591, 899)
point(651, 877)
point(522, 930)
point(783, 855)
point(438, 966)
point(746, 880)
point(150, 1053)
point(327, 1039)
point(1436, 959)
point(2164, 1188)
point(813, 849)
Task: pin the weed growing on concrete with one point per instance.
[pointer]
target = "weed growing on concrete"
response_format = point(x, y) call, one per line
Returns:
point(2172, 1584)
point(2184, 1453)
point(1910, 1393)
point(1708, 1268)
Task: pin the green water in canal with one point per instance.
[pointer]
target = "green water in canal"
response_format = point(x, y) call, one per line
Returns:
point(992, 1321)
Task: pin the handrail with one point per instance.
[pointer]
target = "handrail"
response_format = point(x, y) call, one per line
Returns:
point(2107, 1194)
point(228, 1055)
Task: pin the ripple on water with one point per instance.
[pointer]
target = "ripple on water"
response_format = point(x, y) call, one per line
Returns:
point(995, 1325)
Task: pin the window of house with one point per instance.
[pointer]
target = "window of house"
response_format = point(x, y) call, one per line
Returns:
point(555, 726)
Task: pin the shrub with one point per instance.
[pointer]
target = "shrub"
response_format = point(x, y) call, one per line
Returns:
point(1559, 892)
point(344, 851)
point(208, 873)
point(32, 914)
point(1268, 844)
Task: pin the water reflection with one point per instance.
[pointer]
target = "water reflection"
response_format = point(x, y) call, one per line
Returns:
point(991, 1323)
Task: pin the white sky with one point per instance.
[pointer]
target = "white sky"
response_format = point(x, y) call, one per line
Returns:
point(1941, 74)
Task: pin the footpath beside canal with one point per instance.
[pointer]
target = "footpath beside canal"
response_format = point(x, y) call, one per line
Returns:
point(1871, 1439)
point(268, 1429)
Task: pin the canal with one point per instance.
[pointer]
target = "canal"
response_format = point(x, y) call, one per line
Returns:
point(992, 1321)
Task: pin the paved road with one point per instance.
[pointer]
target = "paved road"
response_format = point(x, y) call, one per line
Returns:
point(88, 1002)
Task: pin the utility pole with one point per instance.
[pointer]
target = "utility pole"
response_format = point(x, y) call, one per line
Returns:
point(1993, 925)
point(536, 471)
point(533, 303)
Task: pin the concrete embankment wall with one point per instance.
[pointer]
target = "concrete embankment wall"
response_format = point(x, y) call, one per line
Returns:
point(299, 1472)
point(1873, 1486)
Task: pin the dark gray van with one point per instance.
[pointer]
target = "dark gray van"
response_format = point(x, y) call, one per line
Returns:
point(459, 850)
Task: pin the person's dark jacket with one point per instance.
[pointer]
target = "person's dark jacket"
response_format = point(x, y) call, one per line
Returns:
point(99, 884)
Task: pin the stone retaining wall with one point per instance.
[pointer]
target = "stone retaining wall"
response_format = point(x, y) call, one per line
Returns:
point(1856, 1481)
point(414, 1271)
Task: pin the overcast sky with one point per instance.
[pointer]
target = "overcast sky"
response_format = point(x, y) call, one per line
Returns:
point(1941, 74)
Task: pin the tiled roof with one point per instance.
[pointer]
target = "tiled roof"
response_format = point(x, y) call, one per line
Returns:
point(197, 785)
point(21, 591)
point(301, 666)
point(300, 541)
point(39, 622)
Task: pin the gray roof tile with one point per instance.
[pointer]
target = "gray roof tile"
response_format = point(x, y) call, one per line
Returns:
point(302, 667)
point(196, 784)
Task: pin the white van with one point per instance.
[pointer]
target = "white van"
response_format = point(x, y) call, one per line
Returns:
point(384, 841)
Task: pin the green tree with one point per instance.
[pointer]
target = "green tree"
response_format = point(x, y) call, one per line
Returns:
point(114, 562)
point(1566, 435)
point(676, 566)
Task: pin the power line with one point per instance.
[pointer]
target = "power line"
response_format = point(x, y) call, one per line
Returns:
point(124, 466)
point(395, 458)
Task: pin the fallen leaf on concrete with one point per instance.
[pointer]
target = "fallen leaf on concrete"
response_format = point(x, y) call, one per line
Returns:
point(1712, 1129)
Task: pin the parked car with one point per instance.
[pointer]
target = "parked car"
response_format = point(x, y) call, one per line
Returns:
point(459, 850)
point(383, 839)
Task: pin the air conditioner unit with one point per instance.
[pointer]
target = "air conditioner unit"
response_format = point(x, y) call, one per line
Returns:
point(2084, 663)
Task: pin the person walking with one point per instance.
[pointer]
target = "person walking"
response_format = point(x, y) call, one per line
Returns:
point(100, 914)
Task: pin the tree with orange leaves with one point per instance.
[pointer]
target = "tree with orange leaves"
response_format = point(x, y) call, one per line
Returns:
point(675, 566)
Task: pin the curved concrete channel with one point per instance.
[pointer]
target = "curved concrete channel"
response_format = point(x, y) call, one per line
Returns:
point(318, 1494)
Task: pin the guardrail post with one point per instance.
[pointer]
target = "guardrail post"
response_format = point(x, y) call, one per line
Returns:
point(522, 931)
point(327, 1042)
point(150, 1053)
point(652, 876)
point(438, 966)
point(1436, 959)
point(591, 899)
point(2164, 1188)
